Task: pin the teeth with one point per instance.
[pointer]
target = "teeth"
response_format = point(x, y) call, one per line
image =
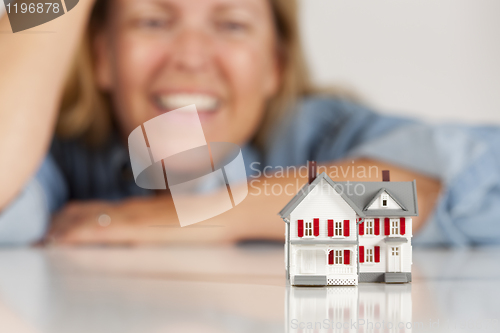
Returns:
point(203, 102)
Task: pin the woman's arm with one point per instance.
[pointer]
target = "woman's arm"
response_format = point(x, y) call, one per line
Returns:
point(154, 221)
point(33, 67)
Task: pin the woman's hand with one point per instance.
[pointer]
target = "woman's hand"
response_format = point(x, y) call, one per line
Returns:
point(138, 221)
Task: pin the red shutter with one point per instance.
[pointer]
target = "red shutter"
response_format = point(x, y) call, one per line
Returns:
point(330, 257)
point(300, 228)
point(316, 227)
point(387, 226)
point(362, 228)
point(402, 225)
point(346, 228)
point(377, 226)
point(347, 257)
point(330, 228)
point(361, 254)
point(377, 253)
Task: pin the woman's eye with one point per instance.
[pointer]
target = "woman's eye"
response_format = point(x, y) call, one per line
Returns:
point(232, 26)
point(153, 23)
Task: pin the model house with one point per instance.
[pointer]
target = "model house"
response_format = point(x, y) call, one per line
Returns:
point(342, 233)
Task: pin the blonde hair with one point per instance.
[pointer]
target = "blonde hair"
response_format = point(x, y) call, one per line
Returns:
point(85, 111)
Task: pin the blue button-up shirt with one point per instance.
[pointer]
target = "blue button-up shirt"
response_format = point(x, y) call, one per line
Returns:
point(465, 158)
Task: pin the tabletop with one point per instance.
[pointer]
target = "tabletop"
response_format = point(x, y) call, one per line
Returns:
point(236, 289)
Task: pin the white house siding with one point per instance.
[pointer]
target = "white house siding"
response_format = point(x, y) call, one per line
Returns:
point(409, 228)
point(323, 203)
point(287, 244)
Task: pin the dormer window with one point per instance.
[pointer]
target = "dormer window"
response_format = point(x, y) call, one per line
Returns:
point(384, 200)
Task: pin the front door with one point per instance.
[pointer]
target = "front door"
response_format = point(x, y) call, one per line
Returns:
point(308, 261)
point(394, 259)
point(312, 261)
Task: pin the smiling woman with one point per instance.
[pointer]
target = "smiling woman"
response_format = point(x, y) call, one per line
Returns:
point(240, 62)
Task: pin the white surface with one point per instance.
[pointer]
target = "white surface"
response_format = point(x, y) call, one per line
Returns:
point(432, 59)
point(231, 289)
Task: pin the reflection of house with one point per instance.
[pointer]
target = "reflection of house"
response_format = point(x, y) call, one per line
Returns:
point(366, 308)
point(339, 233)
point(320, 309)
point(384, 308)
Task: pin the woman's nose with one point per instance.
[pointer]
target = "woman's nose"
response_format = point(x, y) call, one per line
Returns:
point(192, 51)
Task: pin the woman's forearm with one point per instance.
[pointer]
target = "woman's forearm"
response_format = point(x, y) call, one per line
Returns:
point(33, 67)
point(256, 216)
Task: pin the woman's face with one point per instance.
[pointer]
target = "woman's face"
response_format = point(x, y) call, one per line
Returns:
point(159, 55)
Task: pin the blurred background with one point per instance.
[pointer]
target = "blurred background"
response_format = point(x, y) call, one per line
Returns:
point(439, 60)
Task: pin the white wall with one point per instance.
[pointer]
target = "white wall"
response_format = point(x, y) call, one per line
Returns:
point(436, 59)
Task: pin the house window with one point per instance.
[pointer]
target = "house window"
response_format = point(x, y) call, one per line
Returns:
point(369, 227)
point(369, 255)
point(394, 227)
point(308, 229)
point(338, 228)
point(384, 200)
point(339, 256)
point(395, 251)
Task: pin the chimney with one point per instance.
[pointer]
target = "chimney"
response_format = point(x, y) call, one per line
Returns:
point(311, 171)
point(386, 176)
